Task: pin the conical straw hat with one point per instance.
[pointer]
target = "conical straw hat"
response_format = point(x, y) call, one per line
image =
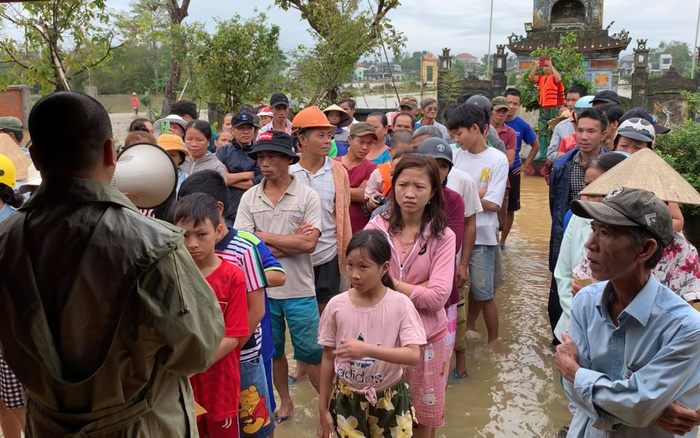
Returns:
point(563, 116)
point(345, 118)
point(648, 171)
point(9, 148)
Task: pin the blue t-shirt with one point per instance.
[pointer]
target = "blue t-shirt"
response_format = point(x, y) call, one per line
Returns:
point(384, 157)
point(341, 142)
point(524, 132)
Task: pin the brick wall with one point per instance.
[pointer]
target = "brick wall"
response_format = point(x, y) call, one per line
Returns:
point(11, 104)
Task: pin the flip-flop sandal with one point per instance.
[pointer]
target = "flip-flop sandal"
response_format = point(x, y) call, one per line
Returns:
point(280, 420)
point(457, 376)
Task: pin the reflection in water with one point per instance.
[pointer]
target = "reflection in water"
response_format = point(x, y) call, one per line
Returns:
point(511, 391)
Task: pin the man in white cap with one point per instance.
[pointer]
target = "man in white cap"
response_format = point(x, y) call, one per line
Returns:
point(172, 124)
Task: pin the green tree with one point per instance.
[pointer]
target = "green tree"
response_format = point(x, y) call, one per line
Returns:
point(158, 25)
point(682, 56)
point(238, 61)
point(62, 38)
point(483, 72)
point(129, 70)
point(450, 88)
point(568, 62)
point(193, 40)
point(410, 64)
point(681, 149)
point(343, 31)
point(459, 67)
point(145, 27)
point(177, 36)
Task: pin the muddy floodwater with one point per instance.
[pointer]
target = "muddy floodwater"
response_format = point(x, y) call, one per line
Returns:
point(513, 391)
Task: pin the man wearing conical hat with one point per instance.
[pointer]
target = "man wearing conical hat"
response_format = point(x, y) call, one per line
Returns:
point(12, 126)
point(635, 134)
point(11, 137)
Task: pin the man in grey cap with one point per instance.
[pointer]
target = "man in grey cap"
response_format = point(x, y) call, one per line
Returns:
point(409, 104)
point(12, 126)
point(630, 359)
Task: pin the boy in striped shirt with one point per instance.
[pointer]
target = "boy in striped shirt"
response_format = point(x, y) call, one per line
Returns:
point(261, 270)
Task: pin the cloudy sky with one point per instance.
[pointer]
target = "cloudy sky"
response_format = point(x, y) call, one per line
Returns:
point(463, 25)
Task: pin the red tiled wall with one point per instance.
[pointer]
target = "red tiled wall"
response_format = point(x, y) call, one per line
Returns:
point(11, 104)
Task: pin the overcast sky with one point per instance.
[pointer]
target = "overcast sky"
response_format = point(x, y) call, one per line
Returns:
point(463, 25)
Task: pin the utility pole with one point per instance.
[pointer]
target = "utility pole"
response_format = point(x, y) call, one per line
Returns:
point(695, 46)
point(488, 56)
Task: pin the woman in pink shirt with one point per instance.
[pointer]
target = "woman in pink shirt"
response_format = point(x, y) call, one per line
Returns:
point(369, 334)
point(422, 268)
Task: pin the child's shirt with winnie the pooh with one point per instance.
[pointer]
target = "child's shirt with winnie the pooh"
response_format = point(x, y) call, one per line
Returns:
point(217, 389)
point(391, 323)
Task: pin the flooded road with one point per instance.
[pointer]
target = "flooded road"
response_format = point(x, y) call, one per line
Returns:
point(511, 392)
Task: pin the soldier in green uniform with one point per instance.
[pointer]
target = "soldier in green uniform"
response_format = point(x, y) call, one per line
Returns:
point(103, 314)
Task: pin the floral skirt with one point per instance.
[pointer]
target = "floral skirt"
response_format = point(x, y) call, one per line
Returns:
point(389, 414)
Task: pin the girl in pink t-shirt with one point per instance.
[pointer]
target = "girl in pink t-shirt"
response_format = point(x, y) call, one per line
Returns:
point(369, 334)
point(422, 268)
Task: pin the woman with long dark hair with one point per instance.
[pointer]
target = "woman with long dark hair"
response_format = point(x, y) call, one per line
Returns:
point(422, 268)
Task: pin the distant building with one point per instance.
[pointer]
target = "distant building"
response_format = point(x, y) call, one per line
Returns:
point(471, 64)
point(665, 62)
point(626, 66)
point(381, 71)
point(359, 74)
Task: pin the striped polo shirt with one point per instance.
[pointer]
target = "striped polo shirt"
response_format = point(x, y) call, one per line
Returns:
point(243, 253)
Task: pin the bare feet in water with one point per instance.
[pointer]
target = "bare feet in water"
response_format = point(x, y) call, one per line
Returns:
point(299, 372)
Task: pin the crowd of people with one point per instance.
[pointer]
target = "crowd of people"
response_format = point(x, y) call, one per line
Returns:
point(376, 244)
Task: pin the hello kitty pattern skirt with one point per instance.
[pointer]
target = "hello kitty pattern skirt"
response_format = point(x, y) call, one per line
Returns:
point(428, 381)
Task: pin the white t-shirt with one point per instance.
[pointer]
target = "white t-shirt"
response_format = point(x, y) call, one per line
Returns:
point(464, 184)
point(488, 169)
